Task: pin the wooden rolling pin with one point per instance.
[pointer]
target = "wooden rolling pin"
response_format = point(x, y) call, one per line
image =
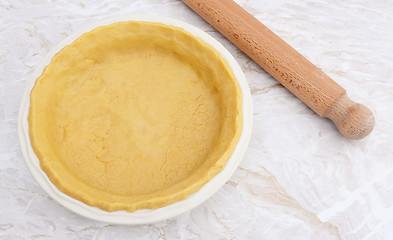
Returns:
point(285, 64)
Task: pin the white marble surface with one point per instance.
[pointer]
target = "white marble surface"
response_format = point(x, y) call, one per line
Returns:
point(299, 179)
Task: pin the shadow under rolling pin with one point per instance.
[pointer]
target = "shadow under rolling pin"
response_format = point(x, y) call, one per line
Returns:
point(286, 65)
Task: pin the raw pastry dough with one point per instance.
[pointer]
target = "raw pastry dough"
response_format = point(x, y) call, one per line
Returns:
point(134, 115)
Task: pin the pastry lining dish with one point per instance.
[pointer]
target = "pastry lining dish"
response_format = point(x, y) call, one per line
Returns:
point(134, 115)
point(141, 216)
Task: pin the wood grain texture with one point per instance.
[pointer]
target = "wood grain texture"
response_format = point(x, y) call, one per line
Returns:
point(305, 80)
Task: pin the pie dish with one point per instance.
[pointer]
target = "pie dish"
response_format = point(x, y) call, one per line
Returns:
point(136, 114)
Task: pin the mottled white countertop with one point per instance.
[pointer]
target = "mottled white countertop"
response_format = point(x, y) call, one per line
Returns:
point(299, 179)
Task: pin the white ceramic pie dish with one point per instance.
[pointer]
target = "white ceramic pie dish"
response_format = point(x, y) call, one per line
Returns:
point(145, 215)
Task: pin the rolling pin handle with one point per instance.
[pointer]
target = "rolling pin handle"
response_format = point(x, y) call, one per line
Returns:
point(352, 119)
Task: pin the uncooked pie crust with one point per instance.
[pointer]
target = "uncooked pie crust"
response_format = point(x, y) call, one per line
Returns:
point(134, 115)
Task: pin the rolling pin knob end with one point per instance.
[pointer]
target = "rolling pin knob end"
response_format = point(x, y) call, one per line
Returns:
point(352, 119)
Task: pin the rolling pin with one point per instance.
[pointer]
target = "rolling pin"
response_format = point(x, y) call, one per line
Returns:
point(306, 81)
